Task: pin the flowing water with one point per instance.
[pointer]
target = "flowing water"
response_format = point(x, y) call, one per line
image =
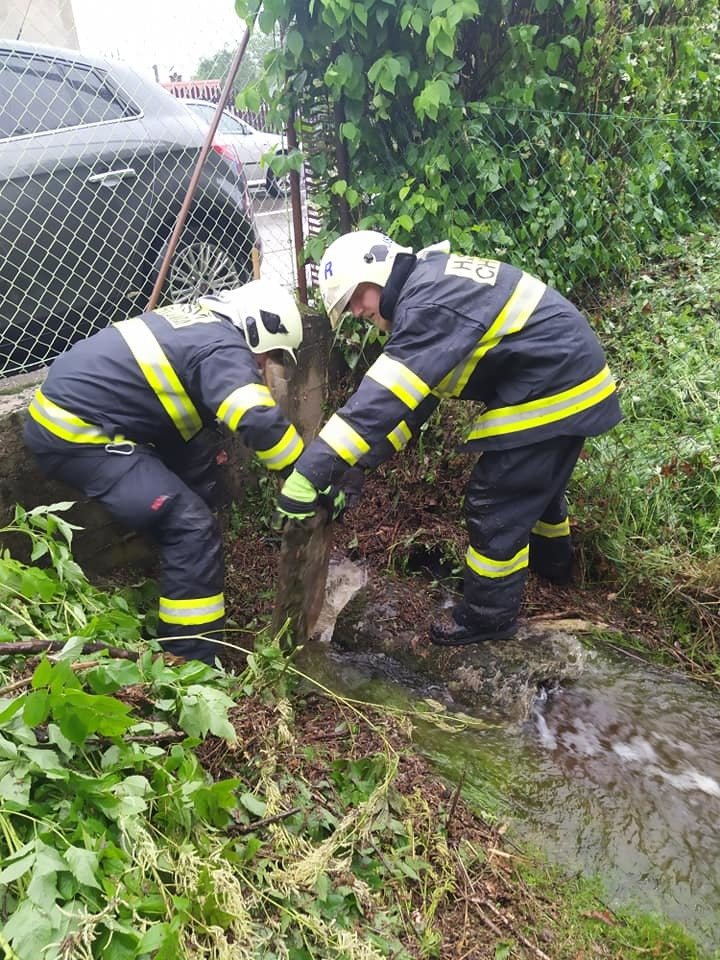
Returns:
point(616, 775)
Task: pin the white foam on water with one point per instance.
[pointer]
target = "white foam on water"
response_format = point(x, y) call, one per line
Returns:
point(688, 781)
point(547, 739)
point(637, 748)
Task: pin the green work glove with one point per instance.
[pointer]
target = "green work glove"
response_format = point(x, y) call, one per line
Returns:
point(298, 500)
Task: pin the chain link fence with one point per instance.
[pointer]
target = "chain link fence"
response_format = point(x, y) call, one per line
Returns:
point(105, 112)
point(96, 155)
point(585, 201)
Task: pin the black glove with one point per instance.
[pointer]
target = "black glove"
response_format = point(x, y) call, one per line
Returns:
point(333, 499)
point(352, 482)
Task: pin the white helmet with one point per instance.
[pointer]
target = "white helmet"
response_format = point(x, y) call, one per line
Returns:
point(365, 256)
point(267, 315)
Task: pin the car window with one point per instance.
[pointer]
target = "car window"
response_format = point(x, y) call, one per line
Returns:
point(41, 93)
point(231, 124)
point(228, 123)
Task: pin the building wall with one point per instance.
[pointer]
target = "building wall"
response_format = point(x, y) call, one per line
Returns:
point(39, 21)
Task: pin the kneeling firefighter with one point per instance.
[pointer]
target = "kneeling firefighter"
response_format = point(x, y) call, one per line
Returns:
point(121, 417)
point(480, 330)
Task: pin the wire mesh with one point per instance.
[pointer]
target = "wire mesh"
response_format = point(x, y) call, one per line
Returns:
point(104, 114)
point(583, 200)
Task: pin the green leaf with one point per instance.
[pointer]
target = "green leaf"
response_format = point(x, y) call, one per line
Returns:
point(84, 865)
point(79, 714)
point(30, 930)
point(19, 864)
point(109, 677)
point(48, 859)
point(42, 888)
point(8, 749)
point(552, 56)
point(572, 43)
point(42, 674)
point(155, 937)
point(15, 790)
point(46, 760)
point(294, 42)
point(40, 548)
point(58, 507)
point(445, 43)
point(403, 222)
point(350, 131)
point(254, 804)
point(204, 710)
point(10, 708)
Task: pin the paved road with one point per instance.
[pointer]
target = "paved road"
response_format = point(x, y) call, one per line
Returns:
point(274, 222)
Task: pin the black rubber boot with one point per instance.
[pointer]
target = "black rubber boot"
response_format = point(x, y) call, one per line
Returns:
point(460, 634)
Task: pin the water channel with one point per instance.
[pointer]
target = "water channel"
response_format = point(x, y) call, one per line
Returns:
point(616, 775)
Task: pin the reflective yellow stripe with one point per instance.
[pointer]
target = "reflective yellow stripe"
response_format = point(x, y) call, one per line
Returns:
point(189, 612)
point(158, 372)
point(400, 436)
point(400, 380)
point(513, 317)
point(346, 442)
point(285, 451)
point(64, 424)
point(236, 405)
point(487, 567)
point(519, 307)
point(537, 413)
point(551, 530)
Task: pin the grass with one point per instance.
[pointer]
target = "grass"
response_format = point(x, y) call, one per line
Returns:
point(647, 496)
point(158, 811)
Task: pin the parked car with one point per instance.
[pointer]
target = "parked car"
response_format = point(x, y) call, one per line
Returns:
point(95, 162)
point(254, 147)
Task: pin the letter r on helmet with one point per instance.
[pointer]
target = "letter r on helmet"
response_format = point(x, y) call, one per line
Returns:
point(328, 269)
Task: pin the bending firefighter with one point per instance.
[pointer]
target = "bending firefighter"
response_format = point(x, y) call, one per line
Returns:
point(484, 331)
point(121, 417)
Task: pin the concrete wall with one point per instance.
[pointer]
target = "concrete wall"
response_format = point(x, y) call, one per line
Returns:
point(102, 544)
point(39, 21)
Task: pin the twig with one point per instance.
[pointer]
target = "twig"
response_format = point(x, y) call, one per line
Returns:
point(486, 920)
point(165, 736)
point(22, 647)
point(19, 684)
point(628, 653)
point(516, 933)
point(558, 615)
point(241, 828)
point(454, 801)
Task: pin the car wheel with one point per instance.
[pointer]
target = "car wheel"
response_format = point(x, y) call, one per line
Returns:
point(203, 266)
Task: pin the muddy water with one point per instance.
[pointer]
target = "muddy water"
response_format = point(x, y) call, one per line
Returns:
point(617, 776)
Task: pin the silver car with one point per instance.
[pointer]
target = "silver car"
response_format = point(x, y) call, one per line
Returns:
point(254, 148)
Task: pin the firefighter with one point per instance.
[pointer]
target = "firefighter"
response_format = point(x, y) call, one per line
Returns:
point(480, 330)
point(121, 417)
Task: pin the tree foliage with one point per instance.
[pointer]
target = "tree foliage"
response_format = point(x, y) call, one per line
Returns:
point(508, 126)
point(216, 65)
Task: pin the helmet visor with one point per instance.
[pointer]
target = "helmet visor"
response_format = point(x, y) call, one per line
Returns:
point(336, 311)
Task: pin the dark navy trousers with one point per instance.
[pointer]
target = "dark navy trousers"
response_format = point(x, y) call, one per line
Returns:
point(516, 516)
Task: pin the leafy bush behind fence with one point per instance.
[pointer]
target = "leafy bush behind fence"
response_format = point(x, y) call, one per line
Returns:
point(569, 137)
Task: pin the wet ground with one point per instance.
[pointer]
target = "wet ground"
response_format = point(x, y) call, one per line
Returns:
point(617, 774)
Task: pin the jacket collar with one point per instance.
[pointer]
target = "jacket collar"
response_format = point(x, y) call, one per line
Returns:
point(402, 268)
